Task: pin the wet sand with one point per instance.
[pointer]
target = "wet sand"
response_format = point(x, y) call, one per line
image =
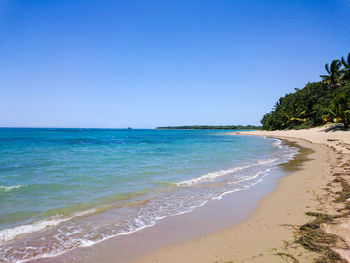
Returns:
point(203, 221)
point(265, 236)
point(257, 225)
point(269, 234)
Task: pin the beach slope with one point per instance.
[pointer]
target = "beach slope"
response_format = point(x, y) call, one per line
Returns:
point(270, 234)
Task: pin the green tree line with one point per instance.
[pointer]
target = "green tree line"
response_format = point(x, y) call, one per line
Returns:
point(326, 101)
point(211, 127)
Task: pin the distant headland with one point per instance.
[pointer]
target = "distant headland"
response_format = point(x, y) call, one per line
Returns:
point(212, 127)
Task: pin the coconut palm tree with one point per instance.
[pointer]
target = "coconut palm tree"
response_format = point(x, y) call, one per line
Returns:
point(334, 73)
point(346, 70)
point(340, 109)
point(294, 112)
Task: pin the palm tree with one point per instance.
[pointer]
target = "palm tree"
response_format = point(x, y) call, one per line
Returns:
point(346, 69)
point(334, 73)
point(294, 112)
point(340, 109)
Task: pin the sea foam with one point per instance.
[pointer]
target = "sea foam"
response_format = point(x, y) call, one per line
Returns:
point(11, 233)
point(213, 175)
point(8, 188)
point(56, 234)
point(277, 143)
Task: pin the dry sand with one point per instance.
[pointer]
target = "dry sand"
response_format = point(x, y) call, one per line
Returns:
point(268, 235)
point(328, 135)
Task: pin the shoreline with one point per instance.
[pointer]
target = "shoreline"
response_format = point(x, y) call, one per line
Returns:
point(262, 232)
point(269, 235)
point(216, 215)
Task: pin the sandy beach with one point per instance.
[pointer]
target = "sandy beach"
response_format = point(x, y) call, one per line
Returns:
point(316, 184)
point(175, 131)
point(270, 222)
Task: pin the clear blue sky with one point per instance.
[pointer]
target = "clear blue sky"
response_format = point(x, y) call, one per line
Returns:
point(149, 63)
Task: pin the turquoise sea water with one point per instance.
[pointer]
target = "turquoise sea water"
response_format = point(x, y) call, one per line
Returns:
point(67, 188)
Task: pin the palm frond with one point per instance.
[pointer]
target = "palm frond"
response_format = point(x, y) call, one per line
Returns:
point(327, 68)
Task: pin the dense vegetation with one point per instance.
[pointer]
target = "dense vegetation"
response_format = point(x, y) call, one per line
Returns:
point(210, 127)
point(327, 101)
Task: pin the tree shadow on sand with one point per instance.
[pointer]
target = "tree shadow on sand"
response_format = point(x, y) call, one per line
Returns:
point(333, 128)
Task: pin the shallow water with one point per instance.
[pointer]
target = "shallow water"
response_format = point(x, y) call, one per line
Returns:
point(67, 188)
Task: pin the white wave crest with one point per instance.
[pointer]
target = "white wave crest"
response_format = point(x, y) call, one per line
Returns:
point(219, 197)
point(277, 143)
point(211, 176)
point(11, 233)
point(8, 188)
point(249, 178)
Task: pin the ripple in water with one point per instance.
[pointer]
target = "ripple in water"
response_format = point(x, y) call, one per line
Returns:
point(112, 189)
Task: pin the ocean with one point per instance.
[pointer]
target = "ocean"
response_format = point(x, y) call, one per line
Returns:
point(66, 188)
